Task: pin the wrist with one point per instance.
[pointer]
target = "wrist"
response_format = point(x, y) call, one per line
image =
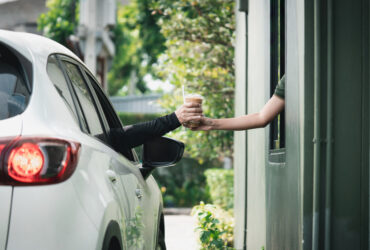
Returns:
point(178, 116)
point(216, 124)
point(174, 120)
point(212, 123)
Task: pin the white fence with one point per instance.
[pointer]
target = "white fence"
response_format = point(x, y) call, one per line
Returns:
point(146, 104)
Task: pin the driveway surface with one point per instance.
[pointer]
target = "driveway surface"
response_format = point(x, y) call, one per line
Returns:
point(180, 232)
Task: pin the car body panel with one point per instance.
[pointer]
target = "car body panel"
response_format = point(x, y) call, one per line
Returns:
point(143, 213)
point(49, 217)
point(33, 46)
point(5, 204)
point(152, 195)
point(9, 128)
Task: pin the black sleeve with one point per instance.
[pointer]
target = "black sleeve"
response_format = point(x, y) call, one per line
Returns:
point(134, 135)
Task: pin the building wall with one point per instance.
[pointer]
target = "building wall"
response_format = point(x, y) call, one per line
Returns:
point(283, 180)
point(342, 203)
point(350, 158)
point(281, 198)
point(258, 82)
point(21, 15)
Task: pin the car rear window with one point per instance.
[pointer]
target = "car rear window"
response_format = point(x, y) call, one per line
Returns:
point(15, 89)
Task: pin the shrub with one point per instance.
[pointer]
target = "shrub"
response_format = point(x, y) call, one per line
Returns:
point(221, 187)
point(214, 226)
point(183, 185)
point(215, 222)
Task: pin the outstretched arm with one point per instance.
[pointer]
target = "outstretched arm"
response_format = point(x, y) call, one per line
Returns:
point(134, 135)
point(256, 120)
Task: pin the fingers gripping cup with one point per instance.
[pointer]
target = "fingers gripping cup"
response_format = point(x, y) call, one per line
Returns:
point(194, 98)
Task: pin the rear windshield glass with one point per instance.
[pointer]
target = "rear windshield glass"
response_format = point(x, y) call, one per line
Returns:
point(14, 86)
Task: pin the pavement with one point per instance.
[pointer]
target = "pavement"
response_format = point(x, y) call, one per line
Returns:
point(179, 230)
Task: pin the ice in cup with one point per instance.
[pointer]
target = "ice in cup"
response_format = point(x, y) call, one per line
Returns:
point(194, 98)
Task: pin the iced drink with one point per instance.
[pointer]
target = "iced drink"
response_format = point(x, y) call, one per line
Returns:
point(194, 98)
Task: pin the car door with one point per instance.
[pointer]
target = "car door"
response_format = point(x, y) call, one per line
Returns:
point(96, 156)
point(126, 165)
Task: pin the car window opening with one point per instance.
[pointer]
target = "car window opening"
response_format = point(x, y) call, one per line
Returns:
point(14, 93)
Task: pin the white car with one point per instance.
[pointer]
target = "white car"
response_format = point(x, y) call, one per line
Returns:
point(62, 184)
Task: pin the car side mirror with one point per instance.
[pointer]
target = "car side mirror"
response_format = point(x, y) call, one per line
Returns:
point(160, 152)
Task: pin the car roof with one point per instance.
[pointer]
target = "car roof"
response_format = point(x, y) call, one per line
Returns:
point(30, 44)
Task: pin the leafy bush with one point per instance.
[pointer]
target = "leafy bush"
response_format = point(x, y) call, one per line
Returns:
point(183, 185)
point(215, 222)
point(214, 226)
point(221, 187)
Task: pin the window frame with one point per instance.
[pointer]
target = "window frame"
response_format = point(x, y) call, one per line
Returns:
point(112, 113)
point(81, 116)
point(277, 71)
point(73, 105)
point(64, 58)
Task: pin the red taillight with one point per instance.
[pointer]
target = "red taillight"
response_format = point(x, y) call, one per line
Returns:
point(27, 161)
point(1, 147)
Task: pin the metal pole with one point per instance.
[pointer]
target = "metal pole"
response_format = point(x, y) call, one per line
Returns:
point(329, 128)
point(317, 130)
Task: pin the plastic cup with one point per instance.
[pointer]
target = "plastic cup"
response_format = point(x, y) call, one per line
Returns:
point(194, 98)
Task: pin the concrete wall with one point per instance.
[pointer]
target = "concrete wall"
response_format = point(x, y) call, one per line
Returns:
point(21, 15)
point(252, 80)
point(258, 82)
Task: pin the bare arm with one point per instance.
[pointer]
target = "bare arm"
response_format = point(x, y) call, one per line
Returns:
point(256, 120)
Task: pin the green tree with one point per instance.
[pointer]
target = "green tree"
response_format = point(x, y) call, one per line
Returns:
point(200, 55)
point(60, 21)
point(138, 43)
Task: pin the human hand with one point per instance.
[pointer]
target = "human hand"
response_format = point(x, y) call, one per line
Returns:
point(205, 124)
point(189, 112)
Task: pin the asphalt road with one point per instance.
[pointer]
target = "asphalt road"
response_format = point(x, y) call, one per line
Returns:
point(180, 232)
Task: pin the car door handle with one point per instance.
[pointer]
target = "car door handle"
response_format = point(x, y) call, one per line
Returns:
point(139, 193)
point(112, 176)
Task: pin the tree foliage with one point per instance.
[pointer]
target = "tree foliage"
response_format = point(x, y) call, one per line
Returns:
point(138, 43)
point(60, 21)
point(200, 54)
